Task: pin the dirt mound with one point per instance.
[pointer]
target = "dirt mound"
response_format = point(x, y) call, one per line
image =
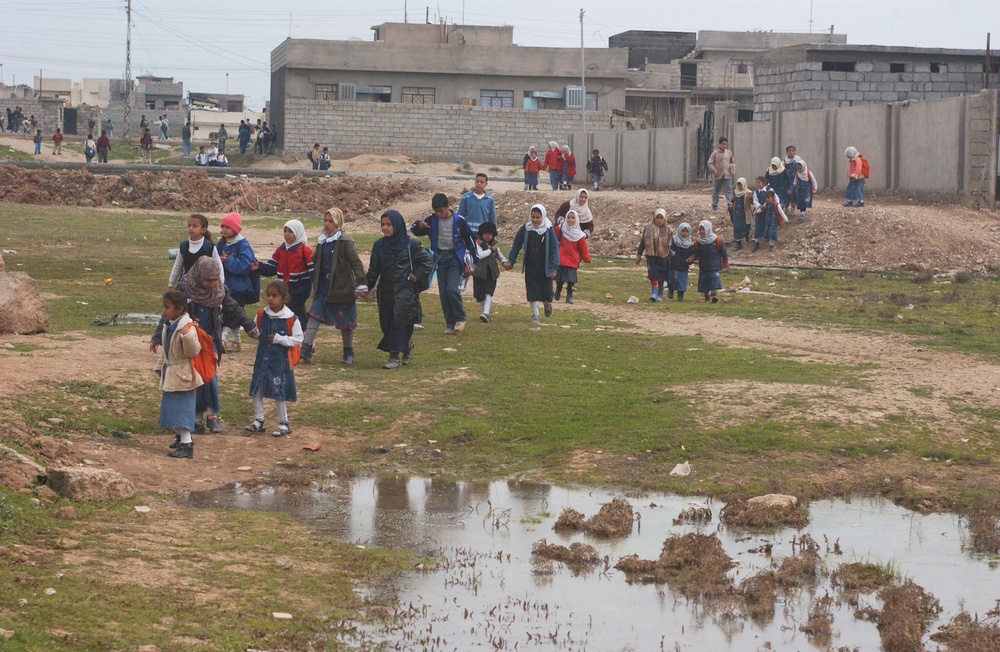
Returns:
point(579, 556)
point(887, 234)
point(194, 190)
point(693, 564)
point(613, 520)
point(965, 634)
point(906, 612)
point(758, 516)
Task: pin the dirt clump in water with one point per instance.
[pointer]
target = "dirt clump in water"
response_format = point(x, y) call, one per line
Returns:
point(694, 516)
point(741, 513)
point(759, 593)
point(984, 526)
point(906, 611)
point(967, 634)
point(819, 627)
point(693, 564)
point(860, 577)
point(614, 519)
point(578, 556)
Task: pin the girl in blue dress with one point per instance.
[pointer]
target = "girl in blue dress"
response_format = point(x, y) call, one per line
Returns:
point(273, 375)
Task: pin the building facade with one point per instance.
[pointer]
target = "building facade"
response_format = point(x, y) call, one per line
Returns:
point(830, 76)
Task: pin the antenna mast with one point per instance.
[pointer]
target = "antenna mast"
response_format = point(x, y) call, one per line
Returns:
point(127, 114)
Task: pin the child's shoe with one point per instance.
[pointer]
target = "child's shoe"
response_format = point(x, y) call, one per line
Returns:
point(558, 293)
point(755, 246)
point(848, 203)
point(199, 428)
point(459, 326)
point(715, 297)
point(738, 244)
point(770, 245)
point(234, 347)
point(450, 330)
point(802, 215)
point(535, 319)
point(463, 283)
point(392, 362)
point(706, 296)
point(176, 442)
point(283, 430)
point(548, 309)
point(183, 451)
point(306, 353)
point(407, 357)
point(213, 425)
point(652, 296)
point(257, 425)
point(569, 297)
point(348, 356)
point(485, 318)
point(861, 204)
point(680, 295)
point(670, 293)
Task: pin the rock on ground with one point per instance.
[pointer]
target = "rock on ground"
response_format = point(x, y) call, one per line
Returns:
point(22, 311)
point(773, 500)
point(98, 485)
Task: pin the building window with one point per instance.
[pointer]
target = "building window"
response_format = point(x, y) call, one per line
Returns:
point(150, 104)
point(171, 106)
point(938, 67)
point(496, 99)
point(689, 75)
point(741, 67)
point(326, 92)
point(838, 66)
point(591, 101)
point(416, 95)
point(897, 67)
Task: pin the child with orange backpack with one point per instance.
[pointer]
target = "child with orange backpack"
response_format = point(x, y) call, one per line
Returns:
point(178, 379)
point(710, 252)
point(857, 172)
point(278, 351)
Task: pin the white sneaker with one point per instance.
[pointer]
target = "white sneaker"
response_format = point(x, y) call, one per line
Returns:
point(459, 326)
point(464, 282)
point(449, 331)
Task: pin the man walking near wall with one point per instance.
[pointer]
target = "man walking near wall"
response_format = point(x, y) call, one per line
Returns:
point(720, 164)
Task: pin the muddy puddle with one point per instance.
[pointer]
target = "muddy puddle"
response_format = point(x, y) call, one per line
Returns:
point(483, 588)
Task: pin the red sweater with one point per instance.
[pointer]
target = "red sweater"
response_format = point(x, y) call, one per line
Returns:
point(554, 160)
point(293, 266)
point(571, 253)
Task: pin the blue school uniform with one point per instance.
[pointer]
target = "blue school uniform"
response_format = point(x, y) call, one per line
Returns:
point(176, 408)
point(677, 273)
point(710, 258)
point(741, 221)
point(272, 373)
point(803, 193)
point(207, 396)
point(766, 225)
point(779, 184)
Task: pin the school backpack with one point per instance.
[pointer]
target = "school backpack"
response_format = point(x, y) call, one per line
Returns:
point(866, 170)
point(294, 352)
point(426, 283)
point(206, 362)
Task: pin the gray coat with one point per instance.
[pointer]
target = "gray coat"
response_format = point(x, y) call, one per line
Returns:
point(398, 298)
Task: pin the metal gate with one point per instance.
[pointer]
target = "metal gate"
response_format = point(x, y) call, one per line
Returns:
point(706, 138)
point(69, 121)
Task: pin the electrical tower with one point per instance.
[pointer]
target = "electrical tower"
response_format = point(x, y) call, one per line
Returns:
point(127, 117)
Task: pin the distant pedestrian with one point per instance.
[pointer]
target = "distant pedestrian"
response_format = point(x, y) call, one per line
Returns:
point(791, 162)
point(178, 379)
point(278, 340)
point(143, 122)
point(777, 179)
point(244, 136)
point(655, 243)
point(223, 137)
point(804, 187)
point(857, 173)
point(532, 166)
point(146, 145)
point(572, 251)
point(164, 127)
point(596, 167)
point(38, 141)
point(91, 123)
point(681, 249)
point(741, 212)
point(110, 127)
point(720, 164)
point(90, 148)
point(186, 139)
point(773, 217)
point(57, 139)
point(487, 270)
point(324, 159)
point(554, 164)
point(476, 206)
point(581, 205)
point(103, 147)
point(569, 168)
point(314, 155)
point(710, 252)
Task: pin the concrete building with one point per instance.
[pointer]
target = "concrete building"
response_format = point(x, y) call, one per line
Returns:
point(53, 88)
point(670, 71)
point(831, 75)
point(158, 93)
point(20, 91)
point(444, 65)
point(91, 92)
point(232, 103)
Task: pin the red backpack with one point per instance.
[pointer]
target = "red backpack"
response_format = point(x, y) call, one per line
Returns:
point(866, 170)
point(294, 352)
point(206, 362)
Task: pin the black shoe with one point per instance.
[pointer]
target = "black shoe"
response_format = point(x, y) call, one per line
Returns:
point(670, 294)
point(407, 358)
point(176, 442)
point(569, 297)
point(680, 295)
point(706, 296)
point(715, 299)
point(739, 244)
point(183, 450)
point(548, 309)
point(557, 295)
point(199, 429)
point(348, 356)
point(213, 425)
point(306, 353)
point(755, 246)
point(861, 204)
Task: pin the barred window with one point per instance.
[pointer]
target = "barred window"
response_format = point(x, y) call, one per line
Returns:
point(326, 92)
point(496, 99)
point(417, 95)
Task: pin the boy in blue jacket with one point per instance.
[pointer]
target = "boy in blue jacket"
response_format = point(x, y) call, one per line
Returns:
point(453, 247)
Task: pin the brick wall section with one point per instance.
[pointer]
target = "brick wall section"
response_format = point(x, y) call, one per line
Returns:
point(982, 116)
point(805, 85)
point(48, 113)
point(430, 132)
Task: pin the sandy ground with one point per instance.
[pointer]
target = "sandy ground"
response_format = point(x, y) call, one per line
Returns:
point(23, 143)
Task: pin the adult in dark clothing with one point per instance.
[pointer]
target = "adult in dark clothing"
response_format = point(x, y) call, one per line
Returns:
point(398, 267)
point(103, 147)
point(223, 137)
point(244, 136)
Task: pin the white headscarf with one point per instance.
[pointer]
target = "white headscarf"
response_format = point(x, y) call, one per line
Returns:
point(338, 218)
point(804, 174)
point(543, 227)
point(565, 148)
point(741, 187)
point(709, 237)
point(574, 232)
point(582, 210)
point(683, 243)
point(851, 152)
point(777, 166)
point(298, 229)
point(553, 144)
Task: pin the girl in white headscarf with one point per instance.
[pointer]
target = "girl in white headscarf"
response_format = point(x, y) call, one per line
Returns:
point(741, 212)
point(541, 259)
point(681, 256)
point(803, 188)
point(581, 204)
point(712, 257)
point(855, 191)
point(655, 243)
point(292, 263)
point(572, 251)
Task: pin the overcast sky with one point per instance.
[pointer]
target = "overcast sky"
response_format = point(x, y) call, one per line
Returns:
point(198, 42)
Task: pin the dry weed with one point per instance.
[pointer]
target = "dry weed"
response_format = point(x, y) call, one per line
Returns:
point(739, 513)
point(613, 520)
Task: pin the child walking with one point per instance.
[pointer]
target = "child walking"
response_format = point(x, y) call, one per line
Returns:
point(541, 259)
point(710, 252)
point(572, 250)
point(681, 250)
point(198, 244)
point(740, 211)
point(178, 379)
point(487, 270)
point(293, 263)
point(210, 304)
point(655, 243)
point(597, 166)
point(769, 217)
point(399, 266)
point(855, 191)
point(242, 282)
point(279, 332)
point(532, 166)
point(338, 278)
point(804, 186)
point(777, 178)
point(38, 141)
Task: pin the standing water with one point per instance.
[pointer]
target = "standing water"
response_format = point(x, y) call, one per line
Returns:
point(487, 590)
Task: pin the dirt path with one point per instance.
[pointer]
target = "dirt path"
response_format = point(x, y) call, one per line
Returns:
point(24, 144)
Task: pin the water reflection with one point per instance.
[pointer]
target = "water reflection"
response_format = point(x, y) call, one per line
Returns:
point(482, 534)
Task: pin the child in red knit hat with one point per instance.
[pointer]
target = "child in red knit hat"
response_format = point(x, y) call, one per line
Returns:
point(243, 283)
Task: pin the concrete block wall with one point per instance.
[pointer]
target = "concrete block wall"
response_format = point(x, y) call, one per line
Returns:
point(431, 131)
point(982, 115)
point(48, 113)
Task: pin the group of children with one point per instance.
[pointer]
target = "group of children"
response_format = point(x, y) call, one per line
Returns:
point(320, 159)
point(561, 165)
point(669, 256)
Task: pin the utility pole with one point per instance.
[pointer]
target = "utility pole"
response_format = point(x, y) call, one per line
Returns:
point(39, 83)
point(583, 77)
point(810, 16)
point(404, 12)
point(127, 114)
